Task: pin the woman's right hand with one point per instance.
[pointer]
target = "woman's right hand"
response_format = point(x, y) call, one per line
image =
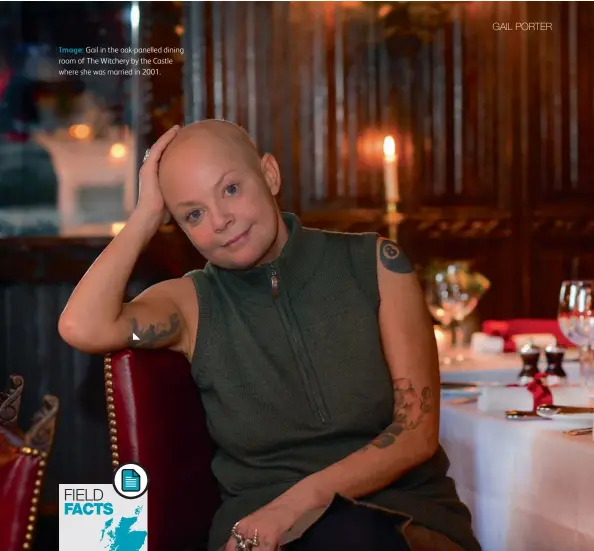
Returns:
point(150, 198)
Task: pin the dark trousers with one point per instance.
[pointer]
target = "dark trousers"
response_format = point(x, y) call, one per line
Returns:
point(346, 526)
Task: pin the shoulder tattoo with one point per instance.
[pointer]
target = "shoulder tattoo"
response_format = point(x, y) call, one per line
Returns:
point(393, 258)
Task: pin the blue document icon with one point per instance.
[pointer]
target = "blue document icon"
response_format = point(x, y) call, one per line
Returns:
point(130, 481)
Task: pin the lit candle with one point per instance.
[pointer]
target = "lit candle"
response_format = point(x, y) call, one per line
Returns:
point(390, 171)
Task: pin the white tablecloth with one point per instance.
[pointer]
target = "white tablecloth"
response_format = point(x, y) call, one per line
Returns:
point(528, 486)
point(502, 368)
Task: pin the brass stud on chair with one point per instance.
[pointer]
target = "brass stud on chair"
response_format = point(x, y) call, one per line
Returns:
point(33, 509)
point(111, 415)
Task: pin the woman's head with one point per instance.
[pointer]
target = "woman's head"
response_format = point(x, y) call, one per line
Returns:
point(222, 194)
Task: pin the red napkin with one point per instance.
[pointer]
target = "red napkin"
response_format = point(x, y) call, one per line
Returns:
point(523, 326)
point(541, 394)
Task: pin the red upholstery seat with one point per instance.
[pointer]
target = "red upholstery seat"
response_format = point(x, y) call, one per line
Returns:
point(156, 420)
point(23, 461)
point(522, 326)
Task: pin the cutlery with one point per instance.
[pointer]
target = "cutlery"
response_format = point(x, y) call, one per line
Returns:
point(577, 432)
point(457, 401)
point(515, 415)
point(564, 410)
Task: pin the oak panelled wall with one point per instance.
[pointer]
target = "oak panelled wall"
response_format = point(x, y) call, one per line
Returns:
point(492, 127)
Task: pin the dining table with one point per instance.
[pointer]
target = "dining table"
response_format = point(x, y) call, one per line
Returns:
point(528, 485)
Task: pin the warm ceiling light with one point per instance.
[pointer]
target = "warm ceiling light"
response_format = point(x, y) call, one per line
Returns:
point(80, 131)
point(384, 10)
point(118, 151)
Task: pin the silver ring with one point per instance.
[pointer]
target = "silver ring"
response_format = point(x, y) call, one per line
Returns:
point(244, 544)
point(146, 155)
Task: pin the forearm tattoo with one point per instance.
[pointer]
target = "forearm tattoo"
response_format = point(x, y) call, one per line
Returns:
point(151, 335)
point(394, 259)
point(409, 411)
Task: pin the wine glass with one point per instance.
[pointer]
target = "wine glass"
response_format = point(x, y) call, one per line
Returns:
point(433, 300)
point(444, 318)
point(452, 295)
point(576, 321)
point(456, 300)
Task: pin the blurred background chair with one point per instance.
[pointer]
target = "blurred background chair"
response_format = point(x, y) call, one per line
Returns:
point(156, 420)
point(23, 461)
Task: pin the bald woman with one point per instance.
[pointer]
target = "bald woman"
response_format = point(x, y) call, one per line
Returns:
point(313, 352)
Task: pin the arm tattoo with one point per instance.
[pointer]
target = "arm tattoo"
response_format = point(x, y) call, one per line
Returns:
point(150, 336)
point(409, 411)
point(394, 259)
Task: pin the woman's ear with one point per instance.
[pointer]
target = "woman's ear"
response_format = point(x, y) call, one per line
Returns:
point(271, 173)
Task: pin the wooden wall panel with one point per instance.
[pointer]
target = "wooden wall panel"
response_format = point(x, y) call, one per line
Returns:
point(492, 128)
point(305, 79)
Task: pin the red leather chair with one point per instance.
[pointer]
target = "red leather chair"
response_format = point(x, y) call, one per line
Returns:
point(523, 326)
point(156, 420)
point(23, 460)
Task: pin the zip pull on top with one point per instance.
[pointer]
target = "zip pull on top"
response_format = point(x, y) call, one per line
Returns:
point(274, 281)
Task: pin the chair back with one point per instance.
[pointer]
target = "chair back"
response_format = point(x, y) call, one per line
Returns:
point(23, 462)
point(156, 420)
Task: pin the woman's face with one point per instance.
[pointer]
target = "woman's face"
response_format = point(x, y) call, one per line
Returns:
point(224, 203)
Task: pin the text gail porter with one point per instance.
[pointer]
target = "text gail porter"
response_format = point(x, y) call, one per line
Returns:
point(522, 26)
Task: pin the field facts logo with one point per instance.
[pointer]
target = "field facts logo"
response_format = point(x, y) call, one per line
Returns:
point(106, 517)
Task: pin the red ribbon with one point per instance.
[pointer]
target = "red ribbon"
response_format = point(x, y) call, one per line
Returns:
point(541, 393)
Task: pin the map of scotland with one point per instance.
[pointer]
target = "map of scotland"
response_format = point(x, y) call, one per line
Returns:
point(121, 534)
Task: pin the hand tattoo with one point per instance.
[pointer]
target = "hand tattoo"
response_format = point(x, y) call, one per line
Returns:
point(394, 259)
point(409, 411)
point(150, 336)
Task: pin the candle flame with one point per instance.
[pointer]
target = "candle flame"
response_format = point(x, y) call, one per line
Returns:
point(389, 148)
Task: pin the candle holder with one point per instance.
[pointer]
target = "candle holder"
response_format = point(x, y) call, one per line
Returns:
point(393, 218)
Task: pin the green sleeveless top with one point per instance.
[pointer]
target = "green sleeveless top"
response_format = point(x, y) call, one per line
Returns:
point(290, 367)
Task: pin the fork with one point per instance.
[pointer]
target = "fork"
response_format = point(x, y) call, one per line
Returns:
point(577, 432)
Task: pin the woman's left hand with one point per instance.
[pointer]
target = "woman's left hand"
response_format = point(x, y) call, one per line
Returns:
point(271, 522)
